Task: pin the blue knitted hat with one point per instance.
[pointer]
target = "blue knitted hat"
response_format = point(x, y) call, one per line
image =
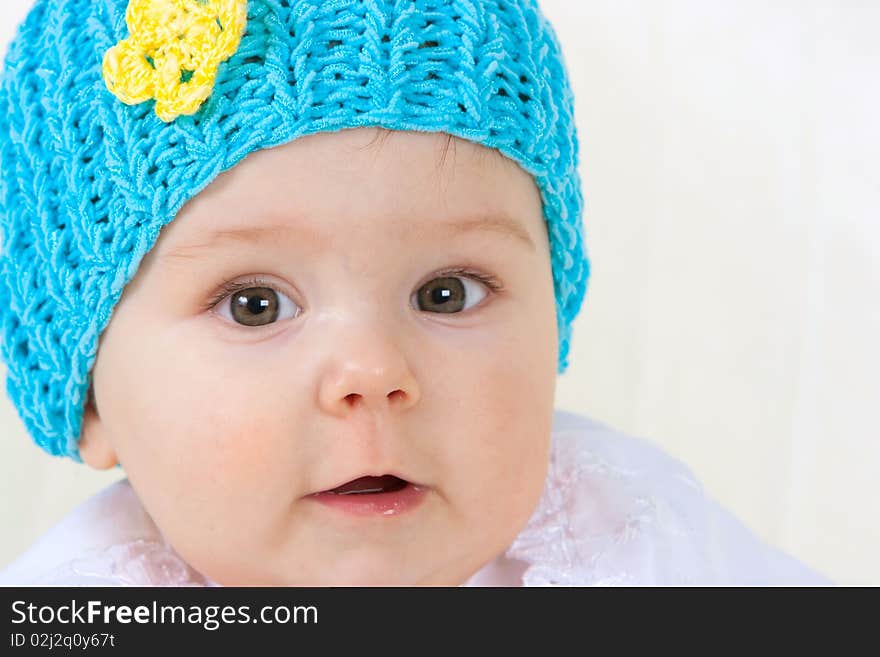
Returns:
point(114, 113)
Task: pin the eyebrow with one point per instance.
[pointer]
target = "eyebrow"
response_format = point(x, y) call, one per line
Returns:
point(499, 224)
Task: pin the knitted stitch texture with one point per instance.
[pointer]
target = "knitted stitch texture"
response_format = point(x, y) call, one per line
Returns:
point(87, 181)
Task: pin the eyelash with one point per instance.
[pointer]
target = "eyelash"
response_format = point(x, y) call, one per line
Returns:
point(237, 286)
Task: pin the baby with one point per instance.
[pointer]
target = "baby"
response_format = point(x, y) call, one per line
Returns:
point(306, 272)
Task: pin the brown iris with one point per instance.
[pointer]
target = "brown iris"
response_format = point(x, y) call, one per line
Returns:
point(255, 306)
point(442, 295)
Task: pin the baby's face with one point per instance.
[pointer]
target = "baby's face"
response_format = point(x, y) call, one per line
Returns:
point(323, 312)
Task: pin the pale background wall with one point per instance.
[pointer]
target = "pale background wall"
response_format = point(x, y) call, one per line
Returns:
point(730, 157)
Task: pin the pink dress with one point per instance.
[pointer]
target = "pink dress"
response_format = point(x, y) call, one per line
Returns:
point(616, 510)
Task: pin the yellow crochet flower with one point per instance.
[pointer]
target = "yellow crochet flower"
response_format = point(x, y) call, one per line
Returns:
point(173, 52)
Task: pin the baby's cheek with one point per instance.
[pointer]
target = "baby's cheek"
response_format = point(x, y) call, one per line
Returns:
point(499, 443)
point(246, 453)
point(209, 470)
point(518, 409)
point(227, 504)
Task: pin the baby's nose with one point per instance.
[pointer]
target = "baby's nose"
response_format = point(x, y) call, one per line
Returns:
point(373, 374)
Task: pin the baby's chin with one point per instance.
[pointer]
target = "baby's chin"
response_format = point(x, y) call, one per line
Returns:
point(336, 579)
point(348, 572)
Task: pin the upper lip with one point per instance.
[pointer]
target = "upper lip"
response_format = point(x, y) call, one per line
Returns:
point(367, 474)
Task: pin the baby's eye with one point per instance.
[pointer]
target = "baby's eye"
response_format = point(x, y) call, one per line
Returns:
point(257, 306)
point(449, 294)
point(257, 303)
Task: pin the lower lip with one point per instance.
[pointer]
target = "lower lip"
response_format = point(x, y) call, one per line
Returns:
point(374, 504)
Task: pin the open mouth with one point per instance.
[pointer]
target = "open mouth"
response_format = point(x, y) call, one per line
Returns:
point(384, 496)
point(370, 485)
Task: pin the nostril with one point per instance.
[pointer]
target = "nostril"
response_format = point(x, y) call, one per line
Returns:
point(395, 395)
